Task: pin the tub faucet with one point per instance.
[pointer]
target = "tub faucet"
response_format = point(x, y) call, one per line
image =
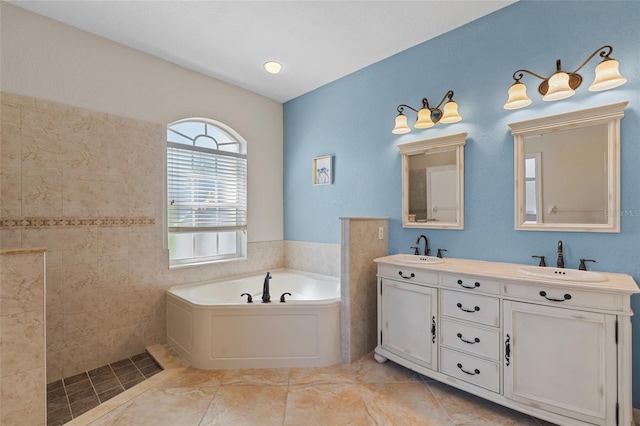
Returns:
point(266, 297)
point(560, 263)
point(427, 250)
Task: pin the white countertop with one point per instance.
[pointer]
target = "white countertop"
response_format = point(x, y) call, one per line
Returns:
point(618, 283)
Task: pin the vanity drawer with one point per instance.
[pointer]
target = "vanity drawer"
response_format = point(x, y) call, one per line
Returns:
point(475, 284)
point(470, 338)
point(470, 369)
point(562, 296)
point(408, 274)
point(470, 307)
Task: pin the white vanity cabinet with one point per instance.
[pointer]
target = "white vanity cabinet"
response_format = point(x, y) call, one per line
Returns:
point(556, 349)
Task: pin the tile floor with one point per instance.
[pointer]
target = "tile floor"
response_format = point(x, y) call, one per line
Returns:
point(71, 397)
point(364, 393)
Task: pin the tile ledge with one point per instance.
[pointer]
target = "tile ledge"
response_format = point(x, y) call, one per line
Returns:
point(23, 250)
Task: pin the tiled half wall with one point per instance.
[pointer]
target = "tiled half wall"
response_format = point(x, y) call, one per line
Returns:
point(22, 345)
point(363, 239)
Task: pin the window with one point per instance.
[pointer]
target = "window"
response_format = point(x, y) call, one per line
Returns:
point(206, 192)
point(533, 191)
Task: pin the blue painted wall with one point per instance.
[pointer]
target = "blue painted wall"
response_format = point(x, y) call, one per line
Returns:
point(352, 119)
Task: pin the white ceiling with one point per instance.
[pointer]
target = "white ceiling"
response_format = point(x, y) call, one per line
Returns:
point(316, 41)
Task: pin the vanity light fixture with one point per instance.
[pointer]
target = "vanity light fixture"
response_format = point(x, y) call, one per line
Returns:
point(562, 84)
point(428, 117)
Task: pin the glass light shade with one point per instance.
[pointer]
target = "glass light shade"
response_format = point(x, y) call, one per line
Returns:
point(558, 87)
point(517, 96)
point(607, 76)
point(401, 125)
point(424, 119)
point(450, 114)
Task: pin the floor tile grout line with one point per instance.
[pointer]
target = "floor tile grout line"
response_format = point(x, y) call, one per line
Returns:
point(444, 410)
point(138, 369)
point(66, 396)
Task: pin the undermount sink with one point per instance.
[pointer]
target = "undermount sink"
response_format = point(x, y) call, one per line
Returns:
point(415, 259)
point(561, 274)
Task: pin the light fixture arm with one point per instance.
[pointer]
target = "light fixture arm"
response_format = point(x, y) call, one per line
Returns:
point(517, 76)
point(401, 107)
point(425, 103)
point(604, 55)
point(448, 95)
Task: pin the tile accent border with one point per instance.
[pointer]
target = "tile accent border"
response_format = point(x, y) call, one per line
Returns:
point(74, 222)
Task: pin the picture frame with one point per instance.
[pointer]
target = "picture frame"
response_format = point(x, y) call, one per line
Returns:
point(322, 170)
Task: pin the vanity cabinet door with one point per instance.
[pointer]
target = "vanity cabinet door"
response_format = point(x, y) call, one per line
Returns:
point(561, 360)
point(408, 321)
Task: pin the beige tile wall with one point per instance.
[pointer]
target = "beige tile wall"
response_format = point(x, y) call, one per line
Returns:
point(360, 245)
point(88, 186)
point(319, 258)
point(22, 338)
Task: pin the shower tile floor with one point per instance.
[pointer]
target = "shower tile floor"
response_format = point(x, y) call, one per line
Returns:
point(71, 397)
point(363, 393)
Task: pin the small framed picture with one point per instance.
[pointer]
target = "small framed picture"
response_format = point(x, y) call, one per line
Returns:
point(322, 170)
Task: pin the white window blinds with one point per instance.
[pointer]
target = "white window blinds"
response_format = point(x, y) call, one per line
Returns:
point(206, 189)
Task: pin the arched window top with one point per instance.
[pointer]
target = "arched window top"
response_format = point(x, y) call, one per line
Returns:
point(206, 133)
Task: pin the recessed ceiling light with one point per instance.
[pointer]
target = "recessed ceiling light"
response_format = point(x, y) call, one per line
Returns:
point(273, 67)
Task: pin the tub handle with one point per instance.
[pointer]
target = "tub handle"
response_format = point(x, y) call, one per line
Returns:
point(249, 298)
point(282, 297)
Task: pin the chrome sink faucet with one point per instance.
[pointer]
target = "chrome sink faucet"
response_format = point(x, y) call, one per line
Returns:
point(560, 263)
point(427, 250)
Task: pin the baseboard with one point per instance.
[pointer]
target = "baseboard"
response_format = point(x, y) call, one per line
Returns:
point(636, 416)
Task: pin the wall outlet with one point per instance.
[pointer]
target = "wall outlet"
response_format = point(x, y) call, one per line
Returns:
point(381, 233)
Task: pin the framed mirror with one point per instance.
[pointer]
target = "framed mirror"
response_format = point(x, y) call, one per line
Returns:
point(567, 171)
point(433, 182)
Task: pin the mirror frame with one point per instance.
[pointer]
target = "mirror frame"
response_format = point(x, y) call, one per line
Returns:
point(606, 114)
point(445, 143)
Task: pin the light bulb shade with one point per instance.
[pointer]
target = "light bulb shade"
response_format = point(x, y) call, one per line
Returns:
point(607, 76)
point(450, 114)
point(424, 119)
point(401, 126)
point(517, 96)
point(558, 87)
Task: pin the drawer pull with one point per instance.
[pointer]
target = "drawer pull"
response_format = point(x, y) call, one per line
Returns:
point(406, 277)
point(544, 294)
point(474, 286)
point(476, 340)
point(475, 308)
point(475, 372)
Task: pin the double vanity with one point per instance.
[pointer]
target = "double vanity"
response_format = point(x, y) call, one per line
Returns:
point(553, 343)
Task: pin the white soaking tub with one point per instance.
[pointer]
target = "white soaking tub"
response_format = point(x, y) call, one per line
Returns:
point(213, 327)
